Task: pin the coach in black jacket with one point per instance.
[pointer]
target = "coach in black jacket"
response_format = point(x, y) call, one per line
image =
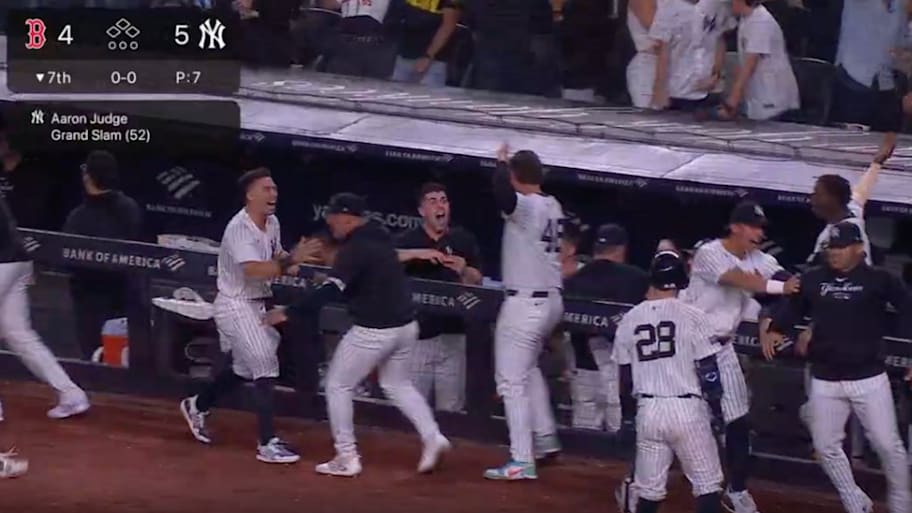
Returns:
point(847, 301)
point(105, 212)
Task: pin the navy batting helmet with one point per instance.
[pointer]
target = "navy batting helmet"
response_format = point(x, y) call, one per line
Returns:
point(668, 271)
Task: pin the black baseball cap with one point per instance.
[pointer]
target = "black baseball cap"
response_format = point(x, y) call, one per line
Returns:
point(844, 234)
point(610, 235)
point(347, 203)
point(749, 213)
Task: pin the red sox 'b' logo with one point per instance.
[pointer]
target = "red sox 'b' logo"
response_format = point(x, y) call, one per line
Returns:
point(36, 37)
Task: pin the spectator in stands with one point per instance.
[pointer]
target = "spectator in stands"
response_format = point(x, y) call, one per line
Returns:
point(109, 213)
point(765, 82)
point(28, 187)
point(503, 59)
point(438, 251)
point(865, 89)
point(546, 15)
point(363, 47)
point(424, 41)
point(267, 30)
point(716, 19)
point(677, 83)
point(642, 68)
point(584, 30)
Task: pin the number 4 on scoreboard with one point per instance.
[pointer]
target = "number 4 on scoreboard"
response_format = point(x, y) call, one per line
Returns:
point(66, 35)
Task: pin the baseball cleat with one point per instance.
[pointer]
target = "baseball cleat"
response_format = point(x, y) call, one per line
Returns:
point(433, 453)
point(70, 407)
point(739, 502)
point(196, 420)
point(12, 466)
point(512, 471)
point(343, 466)
point(547, 448)
point(277, 451)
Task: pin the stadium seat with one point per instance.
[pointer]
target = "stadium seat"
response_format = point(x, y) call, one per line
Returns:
point(815, 85)
point(313, 33)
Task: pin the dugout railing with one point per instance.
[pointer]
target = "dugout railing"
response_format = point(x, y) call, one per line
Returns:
point(156, 271)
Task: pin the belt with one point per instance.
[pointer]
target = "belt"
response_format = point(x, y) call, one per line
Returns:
point(682, 396)
point(535, 293)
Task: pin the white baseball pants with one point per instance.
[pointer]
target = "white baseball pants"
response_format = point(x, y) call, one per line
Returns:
point(641, 78)
point(856, 433)
point(667, 427)
point(252, 344)
point(522, 327)
point(596, 395)
point(439, 366)
point(871, 400)
point(16, 330)
point(735, 395)
point(358, 353)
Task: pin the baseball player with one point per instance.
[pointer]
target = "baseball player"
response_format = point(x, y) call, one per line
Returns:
point(531, 274)
point(438, 251)
point(11, 465)
point(847, 301)
point(725, 274)
point(250, 257)
point(366, 273)
point(667, 361)
point(16, 327)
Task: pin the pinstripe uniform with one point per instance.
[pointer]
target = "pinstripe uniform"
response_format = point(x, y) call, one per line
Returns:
point(241, 301)
point(661, 340)
point(725, 307)
point(856, 217)
point(532, 276)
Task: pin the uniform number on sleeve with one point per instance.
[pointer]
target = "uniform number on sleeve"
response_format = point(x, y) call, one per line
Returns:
point(552, 235)
point(654, 342)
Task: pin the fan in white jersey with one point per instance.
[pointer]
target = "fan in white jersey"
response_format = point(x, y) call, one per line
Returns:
point(765, 82)
point(715, 19)
point(725, 274)
point(667, 358)
point(677, 82)
point(531, 274)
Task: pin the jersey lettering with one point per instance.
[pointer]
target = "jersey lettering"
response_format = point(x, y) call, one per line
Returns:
point(552, 235)
point(655, 342)
point(709, 23)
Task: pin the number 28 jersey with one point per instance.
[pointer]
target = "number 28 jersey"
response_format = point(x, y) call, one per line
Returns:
point(661, 339)
point(530, 255)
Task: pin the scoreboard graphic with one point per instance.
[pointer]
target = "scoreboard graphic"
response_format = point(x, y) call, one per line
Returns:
point(122, 51)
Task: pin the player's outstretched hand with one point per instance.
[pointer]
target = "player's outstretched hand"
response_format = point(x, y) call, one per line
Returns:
point(307, 250)
point(275, 316)
point(503, 153)
point(792, 285)
point(769, 342)
point(455, 262)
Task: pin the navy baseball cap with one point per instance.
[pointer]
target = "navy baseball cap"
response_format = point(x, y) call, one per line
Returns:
point(610, 235)
point(843, 235)
point(346, 203)
point(749, 213)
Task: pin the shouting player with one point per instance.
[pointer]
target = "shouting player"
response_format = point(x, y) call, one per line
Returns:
point(531, 273)
point(667, 362)
point(250, 257)
point(725, 274)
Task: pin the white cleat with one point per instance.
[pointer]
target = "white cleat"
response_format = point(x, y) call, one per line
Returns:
point(70, 407)
point(12, 466)
point(343, 466)
point(433, 453)
point(741, 502)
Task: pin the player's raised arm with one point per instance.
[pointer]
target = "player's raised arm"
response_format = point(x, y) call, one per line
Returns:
point(862, 190)
point(504, 193)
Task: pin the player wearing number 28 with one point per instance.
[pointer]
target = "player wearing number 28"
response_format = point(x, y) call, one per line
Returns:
point(667, 361)
point(531, 273)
